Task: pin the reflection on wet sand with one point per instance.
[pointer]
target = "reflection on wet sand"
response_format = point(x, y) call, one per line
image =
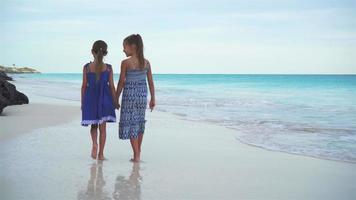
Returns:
point(129, 188)
point(124, 188)
point(96, 183)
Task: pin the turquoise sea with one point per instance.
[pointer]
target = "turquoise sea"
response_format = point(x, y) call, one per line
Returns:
point(313, 115)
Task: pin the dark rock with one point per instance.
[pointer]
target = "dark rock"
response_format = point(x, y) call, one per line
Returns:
point(9, 95)
point(3, 103)
point(3, 75)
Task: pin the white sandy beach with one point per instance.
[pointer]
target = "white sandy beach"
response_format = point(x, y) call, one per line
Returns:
point(181, 160)
point(19, 119)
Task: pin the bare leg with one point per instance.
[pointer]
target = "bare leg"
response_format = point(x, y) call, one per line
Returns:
point(102, 140)
point(140, 137)
point(94, 138)
point(135, 149)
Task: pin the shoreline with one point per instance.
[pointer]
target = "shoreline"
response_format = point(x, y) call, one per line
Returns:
point(194, 158)
point(52, 149)
point(63, 109)
point(181, 117)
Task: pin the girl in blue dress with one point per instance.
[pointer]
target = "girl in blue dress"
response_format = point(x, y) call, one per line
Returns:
point(134, 71)
point(98, 97)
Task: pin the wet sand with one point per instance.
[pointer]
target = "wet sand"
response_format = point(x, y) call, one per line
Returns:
point(181, 160)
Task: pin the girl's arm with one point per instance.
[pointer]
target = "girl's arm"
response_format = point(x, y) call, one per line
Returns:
point(120, 84)
point(84, 86)
point(112, 88)
point(151, 86)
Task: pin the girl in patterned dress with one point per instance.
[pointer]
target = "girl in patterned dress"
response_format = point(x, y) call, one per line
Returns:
point(98, 97)
point(134, 71)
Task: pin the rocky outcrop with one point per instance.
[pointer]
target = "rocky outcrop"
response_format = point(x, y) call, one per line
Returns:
point(17, 70)
point(3, 75)
point(8, 93)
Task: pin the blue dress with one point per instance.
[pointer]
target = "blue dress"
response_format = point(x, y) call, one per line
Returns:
point(133, 104)
point(97, 105)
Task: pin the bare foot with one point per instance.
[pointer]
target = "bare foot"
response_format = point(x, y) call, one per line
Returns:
point(94, 151)
point(135, 160)
point(101, 157)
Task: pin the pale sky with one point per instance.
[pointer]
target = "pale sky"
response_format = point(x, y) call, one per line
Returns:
point(237, 36)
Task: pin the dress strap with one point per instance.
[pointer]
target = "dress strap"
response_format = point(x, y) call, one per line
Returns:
point(148, 65)
point(86, 67)
point(109, 68)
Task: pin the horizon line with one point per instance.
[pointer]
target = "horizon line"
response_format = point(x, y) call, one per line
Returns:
point(208, 73)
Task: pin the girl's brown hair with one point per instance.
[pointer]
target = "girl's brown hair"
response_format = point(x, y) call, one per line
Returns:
point(100, 48)
point(136, 39)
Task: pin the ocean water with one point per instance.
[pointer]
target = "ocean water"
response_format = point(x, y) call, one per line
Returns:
point(312, 115)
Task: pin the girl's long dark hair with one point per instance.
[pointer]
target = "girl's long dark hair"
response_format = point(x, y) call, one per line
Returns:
point(100, 48)
point(136, 39)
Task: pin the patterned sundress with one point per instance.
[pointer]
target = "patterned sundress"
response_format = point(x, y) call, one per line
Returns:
point(133, 104)
point(97, 106)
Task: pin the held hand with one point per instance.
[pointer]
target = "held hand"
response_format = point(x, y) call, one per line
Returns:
point(117, 106)
point(116, 103)
point(152, 104)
